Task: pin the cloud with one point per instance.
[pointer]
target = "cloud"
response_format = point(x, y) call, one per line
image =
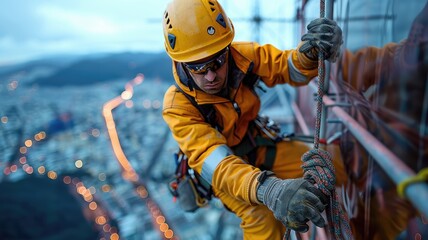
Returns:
point(59, 20)
point(31, 29)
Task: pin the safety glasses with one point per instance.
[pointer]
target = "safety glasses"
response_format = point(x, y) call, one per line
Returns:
point(212, 64)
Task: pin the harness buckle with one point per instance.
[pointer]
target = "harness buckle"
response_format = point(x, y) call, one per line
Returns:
point(269, 127)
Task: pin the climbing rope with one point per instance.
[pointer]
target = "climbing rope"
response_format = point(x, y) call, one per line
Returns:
point(321, 75)
point(318, 167)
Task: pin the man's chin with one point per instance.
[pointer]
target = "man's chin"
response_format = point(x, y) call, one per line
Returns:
point(212, 91)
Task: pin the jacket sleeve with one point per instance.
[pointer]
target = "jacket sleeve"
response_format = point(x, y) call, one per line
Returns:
point(207, 149)
point(276, 66)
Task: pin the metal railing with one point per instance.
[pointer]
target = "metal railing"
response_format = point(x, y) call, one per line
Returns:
point(417, 193)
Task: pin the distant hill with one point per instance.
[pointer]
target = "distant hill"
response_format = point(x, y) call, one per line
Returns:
point(91, 69)
point(110, 67)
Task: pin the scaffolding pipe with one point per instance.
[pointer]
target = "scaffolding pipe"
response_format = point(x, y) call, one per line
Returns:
point(417, 193)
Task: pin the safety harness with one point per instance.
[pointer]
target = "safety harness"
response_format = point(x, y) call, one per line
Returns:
point(191, 190)
point(248, 146)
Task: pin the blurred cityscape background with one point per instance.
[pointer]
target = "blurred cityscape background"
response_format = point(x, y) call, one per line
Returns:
point(84, 151)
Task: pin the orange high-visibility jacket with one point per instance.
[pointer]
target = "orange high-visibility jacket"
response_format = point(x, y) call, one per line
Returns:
point(209, 151)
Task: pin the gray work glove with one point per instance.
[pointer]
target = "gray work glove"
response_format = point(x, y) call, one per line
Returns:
point(325, 35)
point(292, 201)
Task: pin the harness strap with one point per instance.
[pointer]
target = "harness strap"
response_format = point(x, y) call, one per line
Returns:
point(248, 147)
point(207, 110)
point(270, 152)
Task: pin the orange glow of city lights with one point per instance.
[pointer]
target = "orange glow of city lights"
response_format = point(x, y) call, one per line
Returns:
point(87, 195)
point(29, 170)
point(40, 136)
point(52, 175)
point(88, 198)
point(28, 143)
point(163, 227)
point(6, 171)
point(23, 150)
point(142, 192)
point(129, 104)
point(22, 160)
point(67, 179)
point(78, 163)
point(114, 138)
point(114, 236)
point(100, 220)
point(81, 190)
point(169, 234)
point(93, 206)
point(13, 168)
point(160, 219)
point(4, 119)
point(106, 188)
point(139, 79)
point(130, 175)
point(41, 170)
point(126, 95)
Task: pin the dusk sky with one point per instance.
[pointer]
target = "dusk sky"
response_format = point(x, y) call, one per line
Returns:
point(33, 29)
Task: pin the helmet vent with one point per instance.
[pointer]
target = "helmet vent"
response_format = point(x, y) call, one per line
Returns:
point(171, 40)
point(220, 20)
point(168, 20)
point(212, 6)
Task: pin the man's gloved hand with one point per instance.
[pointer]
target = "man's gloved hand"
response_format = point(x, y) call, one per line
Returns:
point(293, 201)
point(325, 35)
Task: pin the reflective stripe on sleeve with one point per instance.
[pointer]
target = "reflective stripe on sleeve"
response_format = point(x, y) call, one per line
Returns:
point(295, 74)
point(213, 160)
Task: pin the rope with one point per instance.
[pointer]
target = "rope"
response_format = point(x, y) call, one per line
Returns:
point(318, 167)
point(321, 75)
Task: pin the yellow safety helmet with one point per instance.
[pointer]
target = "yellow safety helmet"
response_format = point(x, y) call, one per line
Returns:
point(195, 29)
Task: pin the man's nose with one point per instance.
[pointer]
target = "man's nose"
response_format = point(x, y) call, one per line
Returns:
point(210, 75)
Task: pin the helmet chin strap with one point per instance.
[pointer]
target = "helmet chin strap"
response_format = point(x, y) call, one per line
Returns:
point(185, 77)
point(225, 90)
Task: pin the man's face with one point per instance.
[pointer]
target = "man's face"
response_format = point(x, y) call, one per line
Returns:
point(210, 74)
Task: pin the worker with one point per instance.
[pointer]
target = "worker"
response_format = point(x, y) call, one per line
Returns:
point(262, 185)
